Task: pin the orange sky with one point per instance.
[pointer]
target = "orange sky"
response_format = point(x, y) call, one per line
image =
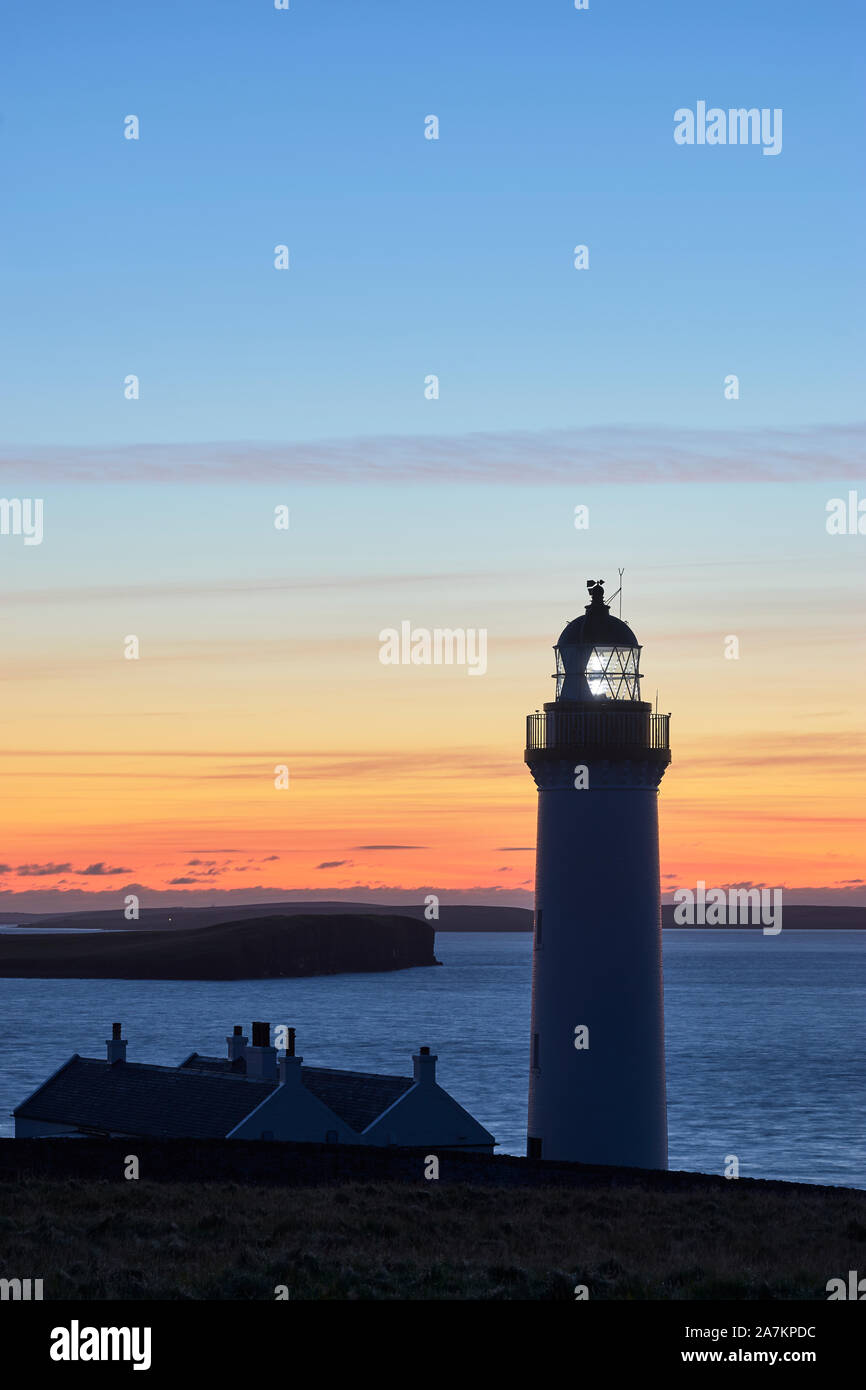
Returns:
point(159, 772)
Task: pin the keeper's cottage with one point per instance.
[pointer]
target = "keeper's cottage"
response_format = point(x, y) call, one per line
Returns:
point(248, 1094)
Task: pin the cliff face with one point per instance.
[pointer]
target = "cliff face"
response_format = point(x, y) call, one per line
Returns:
point(257, 949)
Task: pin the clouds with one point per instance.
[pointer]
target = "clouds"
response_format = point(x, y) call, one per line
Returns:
point(101, 871)
point(388, 847)
point(333, 864)
point(619, 454)
point(49, 870)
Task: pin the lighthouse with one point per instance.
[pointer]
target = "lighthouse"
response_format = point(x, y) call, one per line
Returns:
point(597, 754)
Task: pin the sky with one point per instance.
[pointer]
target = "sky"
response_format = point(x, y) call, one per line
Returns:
point(309, 389)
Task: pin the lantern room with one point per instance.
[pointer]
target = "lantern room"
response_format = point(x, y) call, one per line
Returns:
point(598, 655)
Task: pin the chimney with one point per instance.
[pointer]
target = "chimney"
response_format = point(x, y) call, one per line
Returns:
point(236, 1043)
point(261, 1058)
point(289, 1064)
point(425, 1067)
point(290, 1070)
point(116, 1045)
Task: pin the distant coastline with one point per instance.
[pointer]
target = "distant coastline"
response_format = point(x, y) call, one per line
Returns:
point(263, 948)
point(456, 917)
point(153, 919)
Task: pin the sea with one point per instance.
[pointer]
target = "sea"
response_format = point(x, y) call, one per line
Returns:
point(765, 1047)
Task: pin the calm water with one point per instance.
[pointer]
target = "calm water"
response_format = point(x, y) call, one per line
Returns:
point(38, 932)
point(765, 1050)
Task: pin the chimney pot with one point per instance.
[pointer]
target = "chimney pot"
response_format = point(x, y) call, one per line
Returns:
point(425, 1066)
point(115, 1047)
point(236, 1042)
point(290, 1069)
point(261, 1057)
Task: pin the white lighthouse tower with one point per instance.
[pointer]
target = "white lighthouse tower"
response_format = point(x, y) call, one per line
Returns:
point(597, 754)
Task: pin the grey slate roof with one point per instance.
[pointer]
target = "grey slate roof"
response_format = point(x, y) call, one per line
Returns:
point(137, 1098)
point(196, 1061)
point(358, 1097)
point(203, 1098)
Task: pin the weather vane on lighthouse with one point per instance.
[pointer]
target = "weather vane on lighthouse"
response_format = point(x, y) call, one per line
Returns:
point(597, 754)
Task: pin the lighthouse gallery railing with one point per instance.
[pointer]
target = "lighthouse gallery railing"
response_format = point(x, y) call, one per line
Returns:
point(599, 728)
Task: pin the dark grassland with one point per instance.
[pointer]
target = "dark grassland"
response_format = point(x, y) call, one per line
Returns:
point(101, 1240)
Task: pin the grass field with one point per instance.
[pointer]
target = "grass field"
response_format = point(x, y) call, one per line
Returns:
point(100, 1240)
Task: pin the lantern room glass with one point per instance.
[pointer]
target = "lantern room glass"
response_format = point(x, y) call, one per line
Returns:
point(603, 673)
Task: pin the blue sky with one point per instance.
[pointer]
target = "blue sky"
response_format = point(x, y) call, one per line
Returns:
point(412, 256)
point(558, 387)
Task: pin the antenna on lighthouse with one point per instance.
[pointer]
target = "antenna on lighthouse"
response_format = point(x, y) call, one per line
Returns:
point(609, 601)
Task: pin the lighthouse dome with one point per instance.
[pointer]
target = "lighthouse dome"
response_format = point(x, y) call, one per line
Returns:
point(597, 654)
point(597, 629)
